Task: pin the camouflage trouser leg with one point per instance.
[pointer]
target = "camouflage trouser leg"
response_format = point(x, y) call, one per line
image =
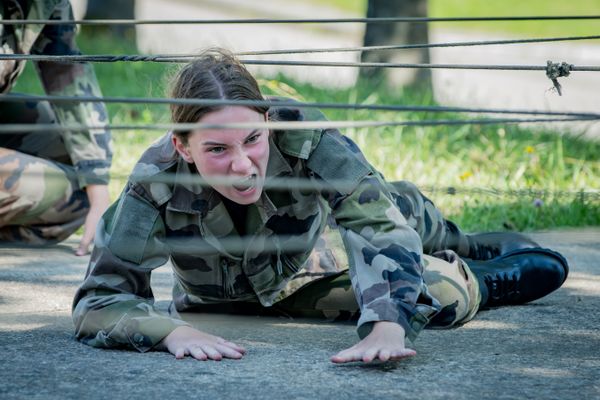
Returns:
point(448, 278)
point(435, 231)
point(454, 285)
point(40, 201)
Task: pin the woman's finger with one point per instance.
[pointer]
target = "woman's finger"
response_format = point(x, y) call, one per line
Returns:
point(196, 352)
point(234, 346)
point(211, 352)
point(370, 354)
point(347, 355)
point(403, 353)
point(228, 351)
point(384, 355)
point(179, 353)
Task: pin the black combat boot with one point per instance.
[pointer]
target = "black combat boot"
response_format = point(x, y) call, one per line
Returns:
point(489, 245)
point(519, 276)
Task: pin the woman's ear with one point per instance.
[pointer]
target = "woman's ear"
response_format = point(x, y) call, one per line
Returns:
point(182, 148)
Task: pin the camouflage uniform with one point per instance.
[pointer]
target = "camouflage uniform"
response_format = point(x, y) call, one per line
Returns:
point(42, 175)
point(356, 247)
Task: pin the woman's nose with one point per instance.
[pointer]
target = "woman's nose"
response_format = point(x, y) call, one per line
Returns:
point(241, 163)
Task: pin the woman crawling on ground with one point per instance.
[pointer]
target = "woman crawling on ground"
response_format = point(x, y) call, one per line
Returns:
point(246, 236)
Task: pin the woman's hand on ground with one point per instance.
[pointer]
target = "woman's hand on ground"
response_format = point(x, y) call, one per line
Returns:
point(385, 342)
point(187, 341)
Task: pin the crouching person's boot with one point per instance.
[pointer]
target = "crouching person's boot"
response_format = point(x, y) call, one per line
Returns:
point(489, 245)
point(519, 276)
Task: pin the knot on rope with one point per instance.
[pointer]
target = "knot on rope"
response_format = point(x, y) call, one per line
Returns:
point(558, 70)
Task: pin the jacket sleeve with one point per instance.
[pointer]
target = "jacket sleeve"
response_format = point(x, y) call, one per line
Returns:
point(384, 252)
point(114, 307)
point(90, 150)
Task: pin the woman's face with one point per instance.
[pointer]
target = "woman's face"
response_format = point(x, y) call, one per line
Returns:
point(239, 155)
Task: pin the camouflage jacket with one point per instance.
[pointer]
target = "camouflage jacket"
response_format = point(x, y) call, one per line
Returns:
point(294, 236)
point(90, 150)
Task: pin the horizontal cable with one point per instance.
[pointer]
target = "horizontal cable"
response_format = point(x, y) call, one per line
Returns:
point(500, 67)
point(277, 125)
point(273, 183)
point(140, 58)
point(238, 245)
point(269, 244)
point(316, 185)
point(191, 56)
point(530, 192)
point(284, 103)
point(296, 21)
point(398, 47)
point(305, 184)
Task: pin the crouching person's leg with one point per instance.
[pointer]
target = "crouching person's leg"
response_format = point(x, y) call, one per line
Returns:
point(40, 202)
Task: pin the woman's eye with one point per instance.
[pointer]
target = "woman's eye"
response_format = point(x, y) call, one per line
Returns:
point(217, 150)
point(253, 138)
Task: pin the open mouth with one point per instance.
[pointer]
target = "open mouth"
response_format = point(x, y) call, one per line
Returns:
point(246, 184)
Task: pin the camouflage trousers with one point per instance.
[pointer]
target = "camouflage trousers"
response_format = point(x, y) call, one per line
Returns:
point(40, 200)
point(447, 276)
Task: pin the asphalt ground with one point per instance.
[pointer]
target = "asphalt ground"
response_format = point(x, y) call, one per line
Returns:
point(549, 349)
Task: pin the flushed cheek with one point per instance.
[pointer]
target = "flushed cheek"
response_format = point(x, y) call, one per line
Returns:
point(210, 166)
point(260, 157)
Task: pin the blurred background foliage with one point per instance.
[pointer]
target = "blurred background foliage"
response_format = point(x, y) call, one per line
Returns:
point(482, 8)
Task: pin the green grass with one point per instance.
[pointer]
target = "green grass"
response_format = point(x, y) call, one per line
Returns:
point(465, 157)
point(357, 7)
point(474, 157)
point(479, 8)
point(483, 8)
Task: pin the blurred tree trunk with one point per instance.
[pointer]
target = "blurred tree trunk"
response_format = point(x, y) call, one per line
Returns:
point(397, 33)
point(112, 9)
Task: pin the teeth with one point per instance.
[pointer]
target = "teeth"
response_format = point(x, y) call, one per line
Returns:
point(246, 184)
